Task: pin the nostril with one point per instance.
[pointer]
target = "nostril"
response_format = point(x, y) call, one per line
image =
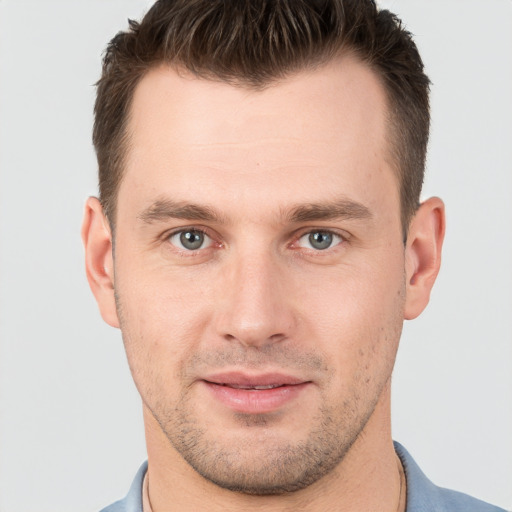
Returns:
point(254, 339)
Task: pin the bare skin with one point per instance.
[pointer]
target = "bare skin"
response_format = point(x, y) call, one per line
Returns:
point(260, 281)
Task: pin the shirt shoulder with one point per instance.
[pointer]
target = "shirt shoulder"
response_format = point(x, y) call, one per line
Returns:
point(424, 496)
point(133, 500)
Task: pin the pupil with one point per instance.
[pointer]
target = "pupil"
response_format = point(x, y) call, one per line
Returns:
point(192, 239)
point(320, 240)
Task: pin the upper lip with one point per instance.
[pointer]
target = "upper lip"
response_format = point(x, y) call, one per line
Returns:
point(242, 379)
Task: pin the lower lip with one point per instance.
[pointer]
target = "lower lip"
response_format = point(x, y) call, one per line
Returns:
point(251, 401)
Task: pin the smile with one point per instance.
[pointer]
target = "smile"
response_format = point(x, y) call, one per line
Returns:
point(254, 394)
point(255, 388)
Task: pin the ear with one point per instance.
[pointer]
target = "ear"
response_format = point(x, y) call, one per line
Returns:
point(99, 262)
point(423, 255)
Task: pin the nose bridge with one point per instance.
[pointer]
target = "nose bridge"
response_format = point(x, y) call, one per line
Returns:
point(255, 310)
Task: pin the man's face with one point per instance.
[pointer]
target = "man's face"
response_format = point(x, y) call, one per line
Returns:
point(259, 270)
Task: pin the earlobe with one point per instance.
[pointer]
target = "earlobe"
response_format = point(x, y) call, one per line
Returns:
point(97, 240)
point(423, 255)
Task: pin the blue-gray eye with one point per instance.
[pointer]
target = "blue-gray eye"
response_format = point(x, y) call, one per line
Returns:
point(190, 240)
point(319, 240)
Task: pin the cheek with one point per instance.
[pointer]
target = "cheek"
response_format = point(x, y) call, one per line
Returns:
point(359, 315)
point(161, 321)
point(160, 299)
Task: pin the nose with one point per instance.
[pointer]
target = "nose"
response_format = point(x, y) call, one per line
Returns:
point(256, 305)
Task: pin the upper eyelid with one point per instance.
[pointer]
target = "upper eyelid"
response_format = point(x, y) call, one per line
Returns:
point(183, 252)
point(333, 231)
point(171, 232)
point(295, 236)
point(167, 235)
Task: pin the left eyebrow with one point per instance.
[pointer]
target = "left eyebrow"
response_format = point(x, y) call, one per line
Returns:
point(342, 209)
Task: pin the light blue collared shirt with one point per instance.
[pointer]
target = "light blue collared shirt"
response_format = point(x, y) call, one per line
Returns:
point(422, 494)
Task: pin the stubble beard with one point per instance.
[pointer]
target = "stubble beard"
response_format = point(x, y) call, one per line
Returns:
point(268, 465)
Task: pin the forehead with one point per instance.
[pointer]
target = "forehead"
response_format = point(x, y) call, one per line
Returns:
point(324, 128)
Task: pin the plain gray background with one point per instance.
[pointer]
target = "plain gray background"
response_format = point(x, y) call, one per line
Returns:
point(71, 434)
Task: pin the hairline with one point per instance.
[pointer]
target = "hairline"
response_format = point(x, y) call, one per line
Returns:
point(392, 118)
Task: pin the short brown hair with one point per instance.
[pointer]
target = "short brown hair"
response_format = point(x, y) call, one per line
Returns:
point(252, 43)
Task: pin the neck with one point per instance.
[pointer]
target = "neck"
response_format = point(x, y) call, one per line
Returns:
point(367, 478)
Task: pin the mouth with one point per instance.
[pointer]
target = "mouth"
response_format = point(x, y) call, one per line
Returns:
point(255, 388)
point(255, 394)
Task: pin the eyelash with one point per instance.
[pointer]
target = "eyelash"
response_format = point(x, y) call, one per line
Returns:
point(191, 252)
point(343, 238)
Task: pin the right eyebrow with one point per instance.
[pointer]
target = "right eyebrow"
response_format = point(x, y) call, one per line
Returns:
point(164, 209)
